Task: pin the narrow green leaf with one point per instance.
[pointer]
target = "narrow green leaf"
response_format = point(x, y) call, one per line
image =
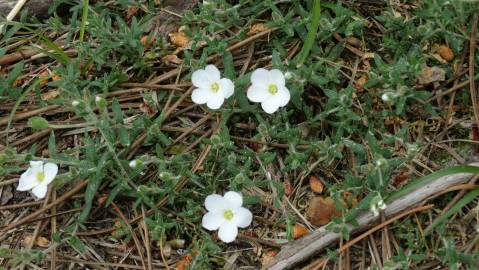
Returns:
point(52, 151)
point(228, 64)
point(313, 30)
point(83, 19)
point(76, 243)
point(460, 204)
point(93, 185)
point(15, 72)
point(115, 106)
point(429, 178)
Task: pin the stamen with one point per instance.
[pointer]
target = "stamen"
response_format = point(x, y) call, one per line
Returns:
point(228, 214)
point(40, 177)
point(273, 89)
point(215, 87)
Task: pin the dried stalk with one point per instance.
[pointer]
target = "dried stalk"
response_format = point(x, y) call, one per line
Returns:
point(307, 246)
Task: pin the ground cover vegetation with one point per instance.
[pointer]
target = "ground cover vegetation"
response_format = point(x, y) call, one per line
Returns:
point(99, 101)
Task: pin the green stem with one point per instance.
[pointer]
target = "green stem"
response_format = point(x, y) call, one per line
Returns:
point(313, 30)
point(79, 125)
point(83, 19)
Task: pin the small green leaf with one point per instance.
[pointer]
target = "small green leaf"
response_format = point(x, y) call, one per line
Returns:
point(38, 123)
point(76, 244)
point(115, 107)
point(460, 204)
point(124, 136)
point(15, 72)
point(228, 64)
point(52, 151)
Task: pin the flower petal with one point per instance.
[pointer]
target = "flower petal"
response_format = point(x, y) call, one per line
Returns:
point(213, 72)
point(215, 102)
point(276, 76)
point(215, 203)
point(40, 190)
point(234, 199)
point(201, 79)
point(227, 87)
point(260, 77)
point(257, 93)
point(270, 106)
point(50, 170)
point(283, 96)
point(242, 217)
point(36, 164)
point(200, 95)
point(212, 220)
point(228, 232)
point(27, 180)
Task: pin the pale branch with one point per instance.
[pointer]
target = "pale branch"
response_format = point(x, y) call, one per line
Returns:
point(37, 8)
point(302, 249)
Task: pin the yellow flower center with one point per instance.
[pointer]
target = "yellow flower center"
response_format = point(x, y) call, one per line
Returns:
point(40, 177)
point(215, 87)
point(273, 89)
point(228, 214)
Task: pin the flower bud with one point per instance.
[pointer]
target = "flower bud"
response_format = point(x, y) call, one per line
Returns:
point(143, 189)
point(177, 243)
point(100, 102)
point(344, 99)
point(216, 140)
point(387, 97)
point(135, 163)
point(412, 149)
point(240, 178)
point(381, 162)
point(232, 157)
point(382, 205)
point(165, 176)
point(288, 75)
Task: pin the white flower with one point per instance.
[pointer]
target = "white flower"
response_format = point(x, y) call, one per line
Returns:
point(268, 87)
point(226, 214)
point(211, 88)
point(75, 103)
point(37, 177)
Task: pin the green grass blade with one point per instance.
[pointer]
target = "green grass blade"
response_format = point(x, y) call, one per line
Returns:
point(429, 178)
point(83, 19)
point(91, 190)
point(313, 30)
point(460, 204)
point(62, 57)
